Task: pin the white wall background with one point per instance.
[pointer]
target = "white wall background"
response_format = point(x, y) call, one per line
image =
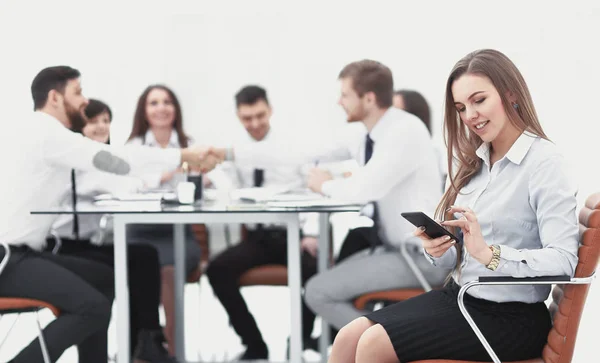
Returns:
point(207, 50)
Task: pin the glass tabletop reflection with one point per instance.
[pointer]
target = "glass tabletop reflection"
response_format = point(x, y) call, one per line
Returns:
point(138, 207)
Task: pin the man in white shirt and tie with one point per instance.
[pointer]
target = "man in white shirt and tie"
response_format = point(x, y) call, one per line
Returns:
point(399, 173)
point(38, 158)
point(262, 244)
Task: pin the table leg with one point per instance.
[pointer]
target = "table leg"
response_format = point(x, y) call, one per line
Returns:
point(121, 290)
point(323, 264)
point(295, 286)
point(180, 278)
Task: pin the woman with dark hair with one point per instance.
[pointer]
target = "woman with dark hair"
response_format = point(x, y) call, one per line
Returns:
point(97, 123)
point(158, 122)
point(158, 110)
point(85, 237)
point(512, 200)
point(413, 102)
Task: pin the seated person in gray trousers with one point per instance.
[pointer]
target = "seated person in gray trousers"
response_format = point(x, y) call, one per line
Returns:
point(399, 172)
point(369, 260)
point(361, 238)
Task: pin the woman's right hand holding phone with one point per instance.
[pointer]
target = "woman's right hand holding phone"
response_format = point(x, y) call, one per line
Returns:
point(435, 247)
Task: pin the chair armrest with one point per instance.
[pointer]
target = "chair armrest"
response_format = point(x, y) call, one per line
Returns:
point(524, 280)
point(6, 257)
point(540, 280)
point(103, 229)
point(57, 241)
point(411, 240)
point(509, 280)
point(104, 220)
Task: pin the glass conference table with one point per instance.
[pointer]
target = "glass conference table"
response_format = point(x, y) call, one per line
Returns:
point(138, 212)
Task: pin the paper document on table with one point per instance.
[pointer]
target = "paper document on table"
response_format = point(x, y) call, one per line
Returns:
point(134, 197)
point(322, 202)
point(296, 196)
point(257, 194)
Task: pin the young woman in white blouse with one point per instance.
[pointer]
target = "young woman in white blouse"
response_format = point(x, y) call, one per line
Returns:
point(512, 202)
point(158, 122)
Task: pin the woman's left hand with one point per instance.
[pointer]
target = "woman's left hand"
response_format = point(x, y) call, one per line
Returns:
point(472, 237)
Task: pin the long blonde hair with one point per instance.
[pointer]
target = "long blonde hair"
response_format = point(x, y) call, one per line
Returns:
point(462, 144)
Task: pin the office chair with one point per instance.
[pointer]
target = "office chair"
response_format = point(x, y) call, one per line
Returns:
point(11, 305)
point(569, 294)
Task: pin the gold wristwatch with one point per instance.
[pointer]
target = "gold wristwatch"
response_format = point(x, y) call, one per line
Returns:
point(493, 265)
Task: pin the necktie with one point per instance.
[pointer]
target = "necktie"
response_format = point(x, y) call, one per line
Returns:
point(369, 144)
point(74, 202)
point(368, 148)
point(259, 178)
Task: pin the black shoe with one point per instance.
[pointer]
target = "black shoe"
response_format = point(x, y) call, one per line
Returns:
point(307, 343)
point(150, 347)
point(254, 352)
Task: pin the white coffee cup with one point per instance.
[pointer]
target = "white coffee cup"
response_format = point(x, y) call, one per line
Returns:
point(185, 192)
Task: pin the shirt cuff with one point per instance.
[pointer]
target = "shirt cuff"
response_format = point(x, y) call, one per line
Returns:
point(152, 181)
point(430, 258)
point(328, 187)
point(512, 254)
point(242, 154)
point(447, 260)
point(229, 154)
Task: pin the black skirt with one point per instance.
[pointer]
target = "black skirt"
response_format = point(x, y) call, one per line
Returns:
point(431, 326)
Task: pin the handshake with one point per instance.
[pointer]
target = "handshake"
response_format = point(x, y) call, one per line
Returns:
point(205, 158)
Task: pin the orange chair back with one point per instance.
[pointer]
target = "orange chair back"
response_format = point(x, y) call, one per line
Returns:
point(569, 300)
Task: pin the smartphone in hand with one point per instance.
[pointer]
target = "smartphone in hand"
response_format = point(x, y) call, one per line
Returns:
point(432, 228)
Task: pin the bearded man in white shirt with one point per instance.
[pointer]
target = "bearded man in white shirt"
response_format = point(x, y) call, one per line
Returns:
point(40, 155)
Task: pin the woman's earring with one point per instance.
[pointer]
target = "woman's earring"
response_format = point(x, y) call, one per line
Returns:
point(515, 105)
